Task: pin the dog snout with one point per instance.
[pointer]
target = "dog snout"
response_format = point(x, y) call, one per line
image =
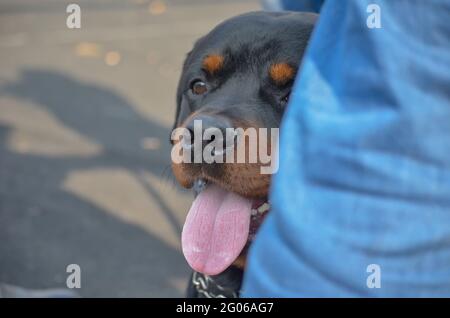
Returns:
point(207, 130)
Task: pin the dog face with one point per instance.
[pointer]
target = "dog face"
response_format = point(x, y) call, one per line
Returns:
point(238, 76)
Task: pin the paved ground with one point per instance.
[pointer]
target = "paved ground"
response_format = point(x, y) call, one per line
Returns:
point(84, 153)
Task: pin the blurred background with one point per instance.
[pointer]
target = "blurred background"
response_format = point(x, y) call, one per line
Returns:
point(85, 117)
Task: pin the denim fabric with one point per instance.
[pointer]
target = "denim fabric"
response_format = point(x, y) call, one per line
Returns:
point(364, 172)
point(293, 5)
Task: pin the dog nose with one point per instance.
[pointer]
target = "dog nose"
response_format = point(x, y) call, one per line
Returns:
point(211, 128)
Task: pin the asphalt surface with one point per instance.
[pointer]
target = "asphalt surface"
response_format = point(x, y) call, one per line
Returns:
point(85, 116)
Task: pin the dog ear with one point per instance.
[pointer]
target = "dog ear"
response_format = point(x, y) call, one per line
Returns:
point(183, 111)
point(183, 108)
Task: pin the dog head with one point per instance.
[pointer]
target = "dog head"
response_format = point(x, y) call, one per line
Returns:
point(237, 78)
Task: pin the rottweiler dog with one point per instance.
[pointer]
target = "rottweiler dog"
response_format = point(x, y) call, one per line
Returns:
point(239, 75)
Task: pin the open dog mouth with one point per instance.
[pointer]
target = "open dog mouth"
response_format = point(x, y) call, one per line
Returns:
point(218, 226)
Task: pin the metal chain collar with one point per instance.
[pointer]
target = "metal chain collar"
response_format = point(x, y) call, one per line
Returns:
point(207, 287)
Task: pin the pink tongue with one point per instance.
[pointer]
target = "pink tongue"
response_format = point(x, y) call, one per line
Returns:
point(216, 230)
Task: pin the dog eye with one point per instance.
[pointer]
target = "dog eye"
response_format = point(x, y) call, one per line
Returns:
point(198, 87)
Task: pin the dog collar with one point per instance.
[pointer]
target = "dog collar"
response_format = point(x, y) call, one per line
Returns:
point(207, 287)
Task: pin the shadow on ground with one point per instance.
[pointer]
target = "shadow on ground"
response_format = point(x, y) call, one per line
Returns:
point(46, 227)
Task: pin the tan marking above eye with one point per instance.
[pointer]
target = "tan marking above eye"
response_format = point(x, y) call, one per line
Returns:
point(213, 63)
point(281, 73)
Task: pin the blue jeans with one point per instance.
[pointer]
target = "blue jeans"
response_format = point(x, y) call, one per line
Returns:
point(364, 174)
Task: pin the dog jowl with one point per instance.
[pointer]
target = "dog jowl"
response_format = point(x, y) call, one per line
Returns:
point(236, 83)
